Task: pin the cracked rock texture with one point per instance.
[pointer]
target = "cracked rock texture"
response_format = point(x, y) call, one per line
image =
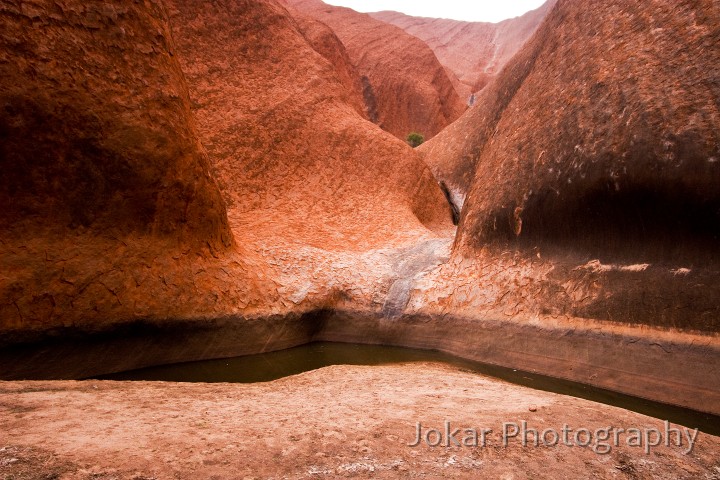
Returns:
point(200, 173)
point(293, 157)
point(215, 166)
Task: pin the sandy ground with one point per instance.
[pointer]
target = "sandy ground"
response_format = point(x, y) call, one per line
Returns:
point(340, 421)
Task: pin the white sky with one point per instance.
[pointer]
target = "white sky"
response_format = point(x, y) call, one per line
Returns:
point(472, 11)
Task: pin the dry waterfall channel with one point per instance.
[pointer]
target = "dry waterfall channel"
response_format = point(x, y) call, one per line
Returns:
point(409, 267)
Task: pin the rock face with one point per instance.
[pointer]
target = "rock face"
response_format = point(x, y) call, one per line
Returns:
point(96, 126)
point(114, 132)
point(113, 213)
point(405, 88)
point(294, 158)
point(106, 190)
point(324, 41)
point(621, 147)
point(596, 153)
point(473, 51)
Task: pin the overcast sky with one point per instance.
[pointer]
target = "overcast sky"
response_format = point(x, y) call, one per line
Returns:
point(472, 11)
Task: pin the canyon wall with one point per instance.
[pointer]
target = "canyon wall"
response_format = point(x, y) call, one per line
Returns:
point(293, 156)
point(596, 165)
point(96, 126)
point(589, 165)
point(608, 121)
point(118, 180)
point(405, 88)
point(192, 181)
point(106, 189)
point(474, 52)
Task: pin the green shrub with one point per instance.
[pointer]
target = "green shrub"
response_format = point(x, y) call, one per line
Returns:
point(415, 139)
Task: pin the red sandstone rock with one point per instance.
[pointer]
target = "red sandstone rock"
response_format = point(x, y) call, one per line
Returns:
point(591, 162)
point(324, 41)
point(474, 51)
point(112, 214)
point(96, 127)
point(331, 213)
point(585, 139)
point(294, 158)
point(404, 86)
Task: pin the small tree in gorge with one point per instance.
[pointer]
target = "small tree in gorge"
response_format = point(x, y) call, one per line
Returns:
point(415, 139)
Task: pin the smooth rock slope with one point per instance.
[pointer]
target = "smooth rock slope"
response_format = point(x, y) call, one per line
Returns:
point(405, 88)
point(473, 51)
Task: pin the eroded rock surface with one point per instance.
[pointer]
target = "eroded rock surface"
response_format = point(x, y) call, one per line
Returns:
point(474, 52)
point(115, 132)
point(405, 88)
point(110, 211)
point(294, 158)
point(96, 126)
point(620, 148)
point(113, 212)
point(591, 164)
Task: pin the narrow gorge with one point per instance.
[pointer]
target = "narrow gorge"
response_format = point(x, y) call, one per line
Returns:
point(187, 181)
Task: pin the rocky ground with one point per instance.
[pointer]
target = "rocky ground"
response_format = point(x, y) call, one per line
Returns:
point(341, 421)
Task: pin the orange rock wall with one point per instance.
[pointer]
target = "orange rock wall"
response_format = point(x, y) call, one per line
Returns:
point(405, 88)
